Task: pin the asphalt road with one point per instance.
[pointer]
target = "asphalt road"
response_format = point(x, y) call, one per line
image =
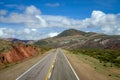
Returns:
point(54, 66)
point(62, 69)
point(39, 70)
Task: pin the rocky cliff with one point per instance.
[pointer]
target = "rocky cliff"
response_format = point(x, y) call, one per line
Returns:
point(17, 53)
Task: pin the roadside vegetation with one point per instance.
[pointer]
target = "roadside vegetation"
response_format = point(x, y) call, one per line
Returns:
point(4, 46)
point(104, 56)
point(86, 61)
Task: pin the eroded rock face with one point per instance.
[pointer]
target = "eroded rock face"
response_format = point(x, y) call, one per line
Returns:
point(17, 53)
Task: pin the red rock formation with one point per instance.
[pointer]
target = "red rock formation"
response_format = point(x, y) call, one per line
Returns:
point(17, 53)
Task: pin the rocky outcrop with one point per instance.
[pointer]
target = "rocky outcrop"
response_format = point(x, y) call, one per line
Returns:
point(17, 53)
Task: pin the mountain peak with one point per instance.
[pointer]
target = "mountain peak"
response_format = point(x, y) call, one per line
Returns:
point(71, 32)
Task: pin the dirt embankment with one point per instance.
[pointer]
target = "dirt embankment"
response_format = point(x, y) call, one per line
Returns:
point(17, 53)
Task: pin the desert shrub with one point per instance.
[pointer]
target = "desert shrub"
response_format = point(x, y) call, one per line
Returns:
point(103, 55)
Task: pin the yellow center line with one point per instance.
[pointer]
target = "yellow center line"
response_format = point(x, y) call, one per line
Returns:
point(51, 67)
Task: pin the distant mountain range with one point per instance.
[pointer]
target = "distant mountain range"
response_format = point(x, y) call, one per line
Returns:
point(73, 38)
point(17, 40)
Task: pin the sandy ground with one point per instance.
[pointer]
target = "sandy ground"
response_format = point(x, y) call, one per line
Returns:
point(12, 72)
point(86, 71)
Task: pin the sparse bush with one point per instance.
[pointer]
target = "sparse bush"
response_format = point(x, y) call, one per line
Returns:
point(85, 58)
point(103, 55)
point(109, 75)
point(95, 67)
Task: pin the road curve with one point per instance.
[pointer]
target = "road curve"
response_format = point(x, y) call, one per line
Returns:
point(54, 66)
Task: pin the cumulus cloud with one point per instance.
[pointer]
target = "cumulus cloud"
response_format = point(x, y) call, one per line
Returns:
point(41, 21)
point(28, 18)
point(52, 4)
point(52, 34)
point(32, 10)
point(27, 31)
point(24, 34)
point(7, 33)
point(108, 23)
point(1, 31)
point(33, 19)
point(34, 29)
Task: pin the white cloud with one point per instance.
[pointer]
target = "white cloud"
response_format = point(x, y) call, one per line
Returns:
point(34, 29)
point(32, 10)
point(29, 31)
point(52, 34)
point(28, 18)
point(59, 21)
point(108, 23)
point(41, 21)
point(1, 31)
point(3, 12)
point(24, 34)
point(7, 33)
point(32, 19)
point(52, 4)
point(26, 30)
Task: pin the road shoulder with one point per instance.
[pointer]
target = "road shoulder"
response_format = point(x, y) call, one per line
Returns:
point(84, 71)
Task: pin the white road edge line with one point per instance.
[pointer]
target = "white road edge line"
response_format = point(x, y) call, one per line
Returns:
point(71, 66)
point(32, 67)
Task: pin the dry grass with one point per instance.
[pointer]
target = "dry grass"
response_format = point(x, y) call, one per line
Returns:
point(89, 68)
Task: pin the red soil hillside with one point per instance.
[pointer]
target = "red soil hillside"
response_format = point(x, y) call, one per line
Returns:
point(17, 53)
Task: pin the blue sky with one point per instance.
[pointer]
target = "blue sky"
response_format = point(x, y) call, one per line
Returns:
point(28, 19)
